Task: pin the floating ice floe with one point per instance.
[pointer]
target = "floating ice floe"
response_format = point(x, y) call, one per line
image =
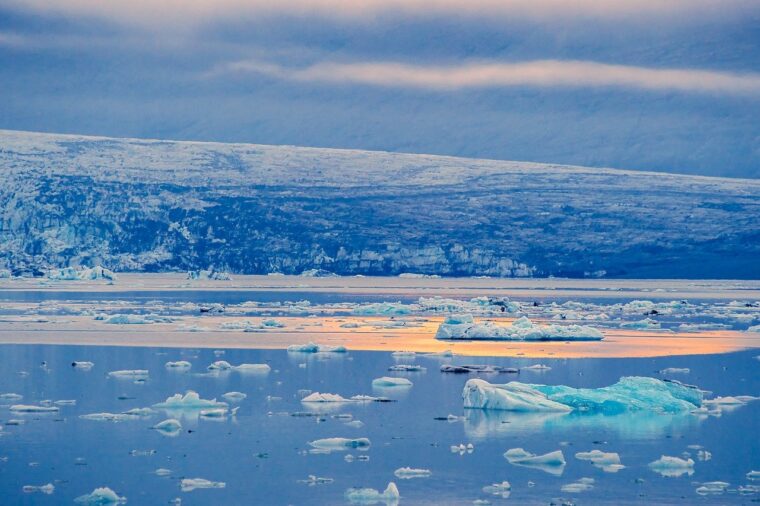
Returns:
point(162, 472)
point(28, 408)
point(340, 444)
point(11, 397)
point(223, 365)
point(607, 461)
point(407, 368)
point(383, 309)
point(324, 397)
point(552, 462)
point(645, 324)
point(371, 496)
point(102, 496)
point(190, 484)
point(672, 467)
point(503, 489)
point(461, 448)
point(389, 381)
point(477, 369)
point(210, 274)
point(47, 489)
point(218, 412)
point(315, 348)
point(234, 396)
point(82, 364)
point(704, 455)
point(135, 319)
point(439, 354)
point(581, 485)
point(675, 370)
point(536, 367)
point(180, 364)
point(316, 480)
point(712, 488)
point(191, 400)
point(170, 427)
point(109, 417)
point(130, 373)
point(753, 475)
point(522, 329)
point(628, 394)
point(408, 473)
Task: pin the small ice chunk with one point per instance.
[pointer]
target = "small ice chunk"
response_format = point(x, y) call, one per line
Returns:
point(582, 485)
point(130, 373)
point(371, 496)
point(180, 364)
point(11, 397)
point(407, 368)
point(47, 489)
point(340, 444)
point(675, 370)
point(108, 417)
point(672, 466)
point(315, 348)
point(220, 365)
point(356, 424)
point(753, 475)
point(234, 396)
point(214, 412)
point(704, 455)
point(316, 480)
point(552, 462)
point(606, 461)
point(253, 368)
point(502, 489)
point(170, 427)
point(537, 367)
point(101, 496)
point(82, 364)
point(320, 397)
point(712, 488)
point(190, 484)
point(388, 381)
point(645, 324)
point(191, 400)
point(407, 473)
point(26, 408)
point(162, 472)
point(404, 354)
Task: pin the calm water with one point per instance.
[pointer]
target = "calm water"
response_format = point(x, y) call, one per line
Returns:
point(262, 453)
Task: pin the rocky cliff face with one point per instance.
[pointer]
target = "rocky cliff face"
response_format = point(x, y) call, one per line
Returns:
point(157, 205)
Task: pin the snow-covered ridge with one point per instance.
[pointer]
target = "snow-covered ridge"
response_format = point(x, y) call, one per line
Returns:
point(149, 205)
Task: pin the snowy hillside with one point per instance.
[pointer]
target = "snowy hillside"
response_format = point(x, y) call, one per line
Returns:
point(160, 205)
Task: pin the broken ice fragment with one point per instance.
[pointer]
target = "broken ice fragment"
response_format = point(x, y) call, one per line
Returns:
point(190, 484)
point(712, 488)
point(234, 396)
point(82, 364)
point(608, 462)
point(25, 408)
point(316, 480)
point(522, 329)
point(502, 489)
point(45, 489)
point(180, 364)
point(390, 496)
point(315, 348)
point(407, 473)
point(552, 462)
point(191, 400)
point(672, 466)
point(101, 496)
point(582, 485)
point(129, 373)
point(340, 444)
point(388, 381)
point(170, 427)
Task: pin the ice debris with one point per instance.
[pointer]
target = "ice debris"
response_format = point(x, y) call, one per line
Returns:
point(190, 484)
point(522, 329)
point(607, 461)
point(234, 396)
point(407, 473)
point(130, 373)
point(26, 408)
point(503, 489)
point(191, 400)
point(753, 475)
point(316, 348)
point(672, 467)
point(223, 365)
point(180, 364)
point(371, 496)
point(135, 319)
point(82, 364)
point(316, 480)
point(47, 489)
point(630, 393)
point(340, 444)
point(11, 397)
point(675, 370)
point(407, 368)
point(389, 381)
point(712, 488)
point(552, 462)
point(101, 496)
point(581, 485)
point(645, 324)
point(170, 427)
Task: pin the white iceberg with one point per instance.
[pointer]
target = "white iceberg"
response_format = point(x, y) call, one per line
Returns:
point(253, 368)
point(340, 443)
point(675, 370)
point(371, 496)
point(383, 309)
point(645, 324)
point(101, 496)
point(407, 368)
point(170, 427)
point(607, 461)
point(315, 348)
point(389, 381)
point(753, 475)
point(552, 462)
point(234, 396)
point(180, 364)
point(26, 408)
point(582, 485)
point(712, 488)
point(190, 484)
point(316, 480)
point(503, 489)
point(324, 397)
point(47, 489)
point(11, 397)
point(627, 395)
point(407, 473)
point(82, 364)
point(136, 319)
point(130, 373)
point(522, 329)
point(109, 417)
point(672, 467)
point(191, 400)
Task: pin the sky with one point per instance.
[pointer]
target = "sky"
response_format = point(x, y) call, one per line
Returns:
point(638, 84)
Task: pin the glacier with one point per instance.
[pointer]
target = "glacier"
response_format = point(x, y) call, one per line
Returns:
point(78, 202)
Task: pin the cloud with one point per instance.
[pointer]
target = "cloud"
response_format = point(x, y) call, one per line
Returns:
point(174, 12)
point(538, 73)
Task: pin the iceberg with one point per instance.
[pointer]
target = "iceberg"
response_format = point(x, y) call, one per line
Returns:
point(607, 462)
point(340, 444)
point(11, 397)
point(464, 327)
point(130, 373)
point(407, 368)
point(645, 324)
point(552, 462)
point(753, 475)
point(389, 381)
point(190, 484)
point(82, 364)
point(407, 473)
point(675, 370)
point(109, 417)
point(223, 365)
point(162, 471)
point(672, 467)
point(712, 488)
point(170, 427)
point(101, 496)
point(316, 348)
point(390, 496)
point(627, 395)
point(319, 397)
point(234, 396)
point(503, 489)
point(383, 309)
point(180, 364)
point(191, 400)
point(136, 319)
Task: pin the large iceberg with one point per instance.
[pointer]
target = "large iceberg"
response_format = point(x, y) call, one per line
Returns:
point(522, 329)
point(631, 393)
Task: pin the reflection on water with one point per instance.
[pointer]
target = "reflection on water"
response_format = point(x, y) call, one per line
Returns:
point(263, 451)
